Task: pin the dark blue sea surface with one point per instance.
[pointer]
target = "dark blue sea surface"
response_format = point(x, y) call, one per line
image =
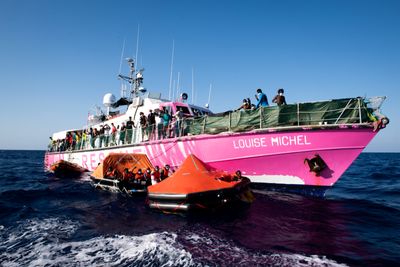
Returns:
point(49, 221)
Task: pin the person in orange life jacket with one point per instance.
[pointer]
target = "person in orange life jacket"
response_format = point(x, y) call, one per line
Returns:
point(113, 173)
point(165, 172)
point(280, 99)
point(262, 99)
point(139, 175)
point(147, 176)
point(155, 175)
point(109, 173)
point(237, 176)
point(127, 175)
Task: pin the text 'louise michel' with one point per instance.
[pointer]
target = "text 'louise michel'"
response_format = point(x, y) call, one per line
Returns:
point(285, 140)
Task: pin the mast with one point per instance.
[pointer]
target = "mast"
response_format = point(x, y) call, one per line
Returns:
point(135, 79)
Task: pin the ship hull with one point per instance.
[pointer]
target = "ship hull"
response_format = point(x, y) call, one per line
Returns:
point(266, 157)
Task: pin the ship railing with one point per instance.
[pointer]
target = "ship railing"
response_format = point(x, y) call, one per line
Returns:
point(332, 113)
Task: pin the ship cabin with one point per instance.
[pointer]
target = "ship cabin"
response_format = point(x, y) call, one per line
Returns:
point(173, 107)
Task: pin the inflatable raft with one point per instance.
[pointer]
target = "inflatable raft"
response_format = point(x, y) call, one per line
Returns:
point(196, 186)
point(110, 174)
point(66, 169)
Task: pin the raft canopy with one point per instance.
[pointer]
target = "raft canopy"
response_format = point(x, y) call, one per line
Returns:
point(193, 176)
point(120, 161)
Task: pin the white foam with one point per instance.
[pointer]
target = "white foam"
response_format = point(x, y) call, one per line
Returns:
point(46, 242)
point(39, 243)
point(212, 249)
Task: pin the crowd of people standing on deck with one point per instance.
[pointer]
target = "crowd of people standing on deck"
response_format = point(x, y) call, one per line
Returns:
point(127, 132)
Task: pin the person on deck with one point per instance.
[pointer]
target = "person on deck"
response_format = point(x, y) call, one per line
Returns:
point(113, 134)
point(245, 105)
point(107, 131)
point(122, 132)
point(178, 122)
point(151, 124)
point(129, 129)
point(143, 125)
point(166, 120)
point(280, 99)
point(261, 98)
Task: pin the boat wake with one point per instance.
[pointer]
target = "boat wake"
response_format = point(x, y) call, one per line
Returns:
point(48, 242)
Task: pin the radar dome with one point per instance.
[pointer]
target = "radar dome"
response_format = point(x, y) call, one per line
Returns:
point(109, 99)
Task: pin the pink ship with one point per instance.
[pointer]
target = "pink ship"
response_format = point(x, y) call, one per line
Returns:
point(303, 146)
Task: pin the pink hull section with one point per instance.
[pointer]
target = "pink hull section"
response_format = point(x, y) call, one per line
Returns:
point(264, 157)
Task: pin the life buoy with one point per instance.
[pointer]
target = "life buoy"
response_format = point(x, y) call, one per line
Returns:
point(381, 123)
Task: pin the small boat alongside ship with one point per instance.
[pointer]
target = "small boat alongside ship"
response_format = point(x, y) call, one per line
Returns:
point(195, 186)
point(66, 169)
point(117, 173)
point(302, 146)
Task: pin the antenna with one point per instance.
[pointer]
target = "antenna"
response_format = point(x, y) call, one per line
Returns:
point(122, 56)
point(192, 85)
point(173, 91)
point(172, 65)
point(178, 85)
point(137, 47)
point(123, 87)
point(209, 96)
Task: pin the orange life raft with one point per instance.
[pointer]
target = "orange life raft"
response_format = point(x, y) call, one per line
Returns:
point(63, 168)
point(196, 186)
point(118, 162)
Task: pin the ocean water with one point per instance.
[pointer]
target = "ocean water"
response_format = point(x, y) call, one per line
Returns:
point(48, 221)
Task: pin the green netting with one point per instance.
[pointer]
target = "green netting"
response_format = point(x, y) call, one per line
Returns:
point(194, 126)
point(245, 120)
point(216, 124)
point(337, 111)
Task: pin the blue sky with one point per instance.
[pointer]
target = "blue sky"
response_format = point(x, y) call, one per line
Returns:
point(58, 58)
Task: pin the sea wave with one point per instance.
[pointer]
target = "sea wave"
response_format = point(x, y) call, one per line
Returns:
point(47, 242)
